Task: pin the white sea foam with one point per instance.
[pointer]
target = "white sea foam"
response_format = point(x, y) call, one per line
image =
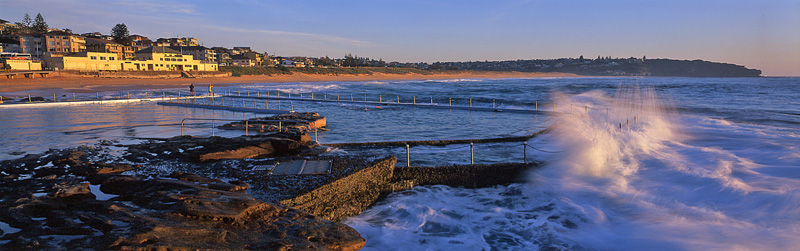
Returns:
point(662, 181)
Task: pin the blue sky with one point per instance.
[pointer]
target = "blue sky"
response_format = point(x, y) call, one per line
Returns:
point(757, 33)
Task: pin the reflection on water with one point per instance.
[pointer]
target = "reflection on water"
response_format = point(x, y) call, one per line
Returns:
point(36, 129)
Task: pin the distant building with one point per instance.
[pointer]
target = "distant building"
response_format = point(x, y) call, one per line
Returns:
point(184, 41)
point(241, 60)
point(10, 45)
point(98, 35)
point(101, 45)
point(202, 53)
point(32, 44)
point(150, 59)
point(60, 42)
point(292, 63)
point(94, 61)
point(239, 50)
point(19, 62)
point(5, 25)
point(166, 59)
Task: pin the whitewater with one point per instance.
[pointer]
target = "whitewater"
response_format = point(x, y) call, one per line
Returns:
point(632, 171)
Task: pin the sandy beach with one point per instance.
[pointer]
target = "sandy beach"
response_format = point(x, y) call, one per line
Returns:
point(95, 84)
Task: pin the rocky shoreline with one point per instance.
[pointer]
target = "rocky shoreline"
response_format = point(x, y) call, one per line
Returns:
point(158, 194)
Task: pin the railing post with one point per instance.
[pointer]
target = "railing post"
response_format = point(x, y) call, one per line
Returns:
point(408, 156)
point(182, 126)
point(212, 128)
point(315, 132)
point(291, 103)
point(471, 154)
point(246, 124)
point(380, 98)
point(525, 152)
point(280, 126)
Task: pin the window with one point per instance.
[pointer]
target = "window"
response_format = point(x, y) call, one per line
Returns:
point(93, 57)
point(161, 59)
point(66, 43)
point(52, 43)
point(110, 58)
point(102, 58)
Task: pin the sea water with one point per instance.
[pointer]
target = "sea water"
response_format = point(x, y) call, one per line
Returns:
point(631, 163)
point(671, 164)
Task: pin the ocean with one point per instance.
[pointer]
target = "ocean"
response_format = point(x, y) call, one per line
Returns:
point(630, 163)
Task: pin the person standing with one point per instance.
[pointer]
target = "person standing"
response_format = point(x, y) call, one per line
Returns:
point(191, 89)
point(210, 92)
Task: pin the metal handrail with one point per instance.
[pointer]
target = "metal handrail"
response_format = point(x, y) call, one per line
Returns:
point(247, 124)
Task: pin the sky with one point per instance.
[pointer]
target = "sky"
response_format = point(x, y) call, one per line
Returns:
point(760, 34)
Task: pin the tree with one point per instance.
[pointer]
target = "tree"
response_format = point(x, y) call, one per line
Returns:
point(27, 22)
point(39, 24)
point(120, 34)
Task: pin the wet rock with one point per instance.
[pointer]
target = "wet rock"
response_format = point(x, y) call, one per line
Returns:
point(185, 212)
point(74, 193)
point(196, 149)
point(310, 121)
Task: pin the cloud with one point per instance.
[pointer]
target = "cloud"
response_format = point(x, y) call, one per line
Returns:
point(292, 35)
point(155, 7)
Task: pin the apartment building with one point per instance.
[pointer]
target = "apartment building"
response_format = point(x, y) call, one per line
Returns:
point(101, 45)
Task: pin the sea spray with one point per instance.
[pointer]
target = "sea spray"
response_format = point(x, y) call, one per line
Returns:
point(629, 162)
point(603, 136)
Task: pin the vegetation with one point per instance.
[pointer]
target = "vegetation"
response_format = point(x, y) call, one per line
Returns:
point(237, 71)
point(28, 25)
point(121, 34)
point(607, 66)
point(351, 61)
point(39, 25)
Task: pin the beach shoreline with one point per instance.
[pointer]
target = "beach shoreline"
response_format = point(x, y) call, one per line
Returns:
point(73, 84)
